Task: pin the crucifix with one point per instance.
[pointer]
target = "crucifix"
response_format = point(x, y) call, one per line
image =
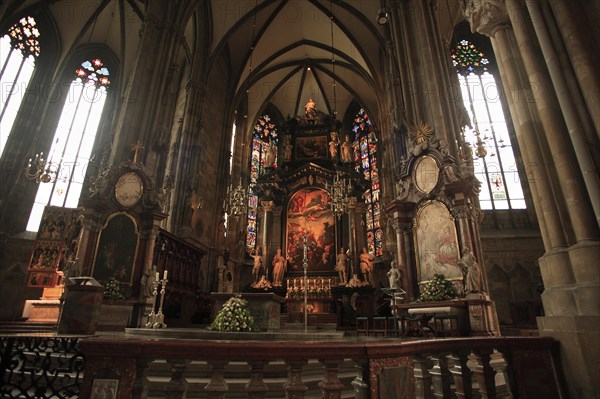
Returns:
point(305, 291)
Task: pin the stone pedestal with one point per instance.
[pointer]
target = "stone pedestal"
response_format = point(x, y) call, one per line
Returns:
point(482, 315)
point(82, 306)
point(264, 307)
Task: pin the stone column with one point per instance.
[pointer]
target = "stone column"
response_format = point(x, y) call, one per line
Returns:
point(186, 157)
point(584, 227)
point(423, 63)
point(567, 15)
point(570, 274)
point(143, 103)
point(266, 209)
point(553, 125)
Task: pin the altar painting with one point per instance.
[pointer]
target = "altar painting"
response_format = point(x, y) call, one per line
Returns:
point(116, 250)
point(436, 242)
point(309, 212)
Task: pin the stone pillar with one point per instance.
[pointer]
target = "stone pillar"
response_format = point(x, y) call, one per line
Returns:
point(583, 226)
point(585, 63)
point(186, 157)
point(568, 267)
point(423, 61)
point(143, 103)
point(266, 209)
point(553, 125)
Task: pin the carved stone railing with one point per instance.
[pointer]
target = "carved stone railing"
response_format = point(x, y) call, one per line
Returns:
point(489, 367)
point(40, 367)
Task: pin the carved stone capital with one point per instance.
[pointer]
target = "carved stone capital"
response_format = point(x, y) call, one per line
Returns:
point(486, 16)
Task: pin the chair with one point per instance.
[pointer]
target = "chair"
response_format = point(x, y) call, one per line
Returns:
point(362, 325)
point(380, 326)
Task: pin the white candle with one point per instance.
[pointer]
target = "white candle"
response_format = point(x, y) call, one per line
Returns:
point(157, 276)
point(165, 275)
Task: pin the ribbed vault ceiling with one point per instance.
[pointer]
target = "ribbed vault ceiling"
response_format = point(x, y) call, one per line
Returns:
point(284, 52)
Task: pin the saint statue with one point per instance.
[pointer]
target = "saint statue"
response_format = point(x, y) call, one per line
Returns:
point(147, 282)
point(366, 266)
point(287, 148)
point(270, 154)
point(347, 150)
point(279, 267)
point(256, 255)
point(472, 272)
point(340, 266)
point(310, 111)
point(394, 276)
point(333, 147)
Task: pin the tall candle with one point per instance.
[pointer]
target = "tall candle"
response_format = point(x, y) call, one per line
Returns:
point(157, 276)
point(165, 275)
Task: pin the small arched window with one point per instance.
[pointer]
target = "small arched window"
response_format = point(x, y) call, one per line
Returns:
point(19, 49)
point(73, 140)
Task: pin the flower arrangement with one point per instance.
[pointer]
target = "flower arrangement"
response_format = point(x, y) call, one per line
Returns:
point(112, 290)
point(437, 289)
point(234, 316)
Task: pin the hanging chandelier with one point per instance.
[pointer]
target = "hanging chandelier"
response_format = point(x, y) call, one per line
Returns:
point(40, 171)
point(340, 190)
point(236, 201)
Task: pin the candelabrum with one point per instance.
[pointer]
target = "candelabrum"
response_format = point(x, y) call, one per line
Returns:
point(157, 320)
point(339, 195)
point(41, 171)
point(236, 201)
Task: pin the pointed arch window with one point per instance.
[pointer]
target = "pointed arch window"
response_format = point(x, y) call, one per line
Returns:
point(366, 160)
point(263, 156)
point(73, 139)
point(19, 49)
point(493, 156)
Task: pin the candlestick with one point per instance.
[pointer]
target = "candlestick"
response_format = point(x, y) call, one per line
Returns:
point(160, 317)
point(152, 315)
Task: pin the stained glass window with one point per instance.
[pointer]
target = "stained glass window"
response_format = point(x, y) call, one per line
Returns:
point(263, 156)
point(18, 52)
point(493, 156)
point(73, 139)
point(366, 160)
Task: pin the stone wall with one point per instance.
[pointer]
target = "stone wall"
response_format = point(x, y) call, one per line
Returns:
point(511, 250)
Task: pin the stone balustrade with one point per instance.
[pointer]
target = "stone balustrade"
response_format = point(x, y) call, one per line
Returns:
point(486, 367)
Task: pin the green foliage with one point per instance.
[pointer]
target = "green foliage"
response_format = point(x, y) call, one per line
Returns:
point(112, 290)
point(437, 289)
point(234, 316)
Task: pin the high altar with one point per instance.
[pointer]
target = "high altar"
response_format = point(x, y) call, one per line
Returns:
point(318, 236)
